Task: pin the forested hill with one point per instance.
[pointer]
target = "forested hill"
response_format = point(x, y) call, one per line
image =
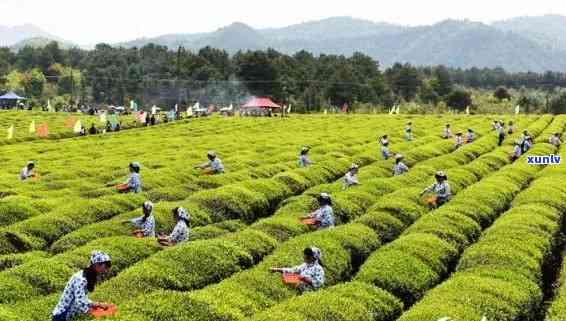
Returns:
point(460, 44)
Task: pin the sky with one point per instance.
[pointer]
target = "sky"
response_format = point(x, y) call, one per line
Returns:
point(93, 21)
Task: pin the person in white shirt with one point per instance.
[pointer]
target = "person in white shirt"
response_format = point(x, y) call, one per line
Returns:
point(74, 301)
point(458, 140)
point(384, 142)
point(555, 139)
point(409, 132)
point(447, 133)
point(27, 171)
point(470, 136)
point(351, 179)
point(310, 273)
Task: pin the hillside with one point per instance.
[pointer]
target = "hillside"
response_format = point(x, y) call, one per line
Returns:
point(10, 36)
point(454, 43)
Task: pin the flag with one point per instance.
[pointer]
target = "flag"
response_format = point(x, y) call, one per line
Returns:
point(325, 111)
point(43, 130)
point(190, 112)
point(78, 127)
point(468, 110)
point(154, 110)
point(70, 122)
point(517, 109)
point(289, 109)
point(103, 118)
point(10, 132)
point(398, 110)
point(32, 127)
point(49, 107)
point(391, 110)
point(176, 107)
point(196, 106)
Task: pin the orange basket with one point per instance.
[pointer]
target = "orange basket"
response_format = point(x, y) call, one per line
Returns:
point(308, 221)
point(122, 188)
point(207, 172)
point(36, 177)
point(138, 235)
point(291, 279)
point(98, 313)
point(431, 200)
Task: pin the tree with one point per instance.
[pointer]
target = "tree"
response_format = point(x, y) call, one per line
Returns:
point(557, 104)
point(443, 84)
point(258, 72)
point(502, 93)
point(459, 99)
point(33, 82)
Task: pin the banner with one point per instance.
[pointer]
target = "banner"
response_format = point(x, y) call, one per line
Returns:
point(78, 127)
point(10, 132)
point(70, 122)
point(43, 130)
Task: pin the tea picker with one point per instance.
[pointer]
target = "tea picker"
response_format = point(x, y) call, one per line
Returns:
point(213, 166)
point(440, 189)
point(458, 140)
point(351, 178)
point(145, 224)
point(304, 160)
point(470, 136)
point(74, 301)
point(447, 133)
point(500, 135)
point(517, 151)
point(399, 168)
point(27, 172)
point(308, 276)
point(133, 184)
point(384, 142)
point(323, 217)
point(409, 132)
point(555, 140)
point(181, 230)
point(526, 141)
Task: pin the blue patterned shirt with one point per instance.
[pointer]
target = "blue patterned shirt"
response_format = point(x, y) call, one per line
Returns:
point(74, 300)
point(180, 233)
point(324, 217)
point(314, 272)
point(148, 227)
point(134, 183)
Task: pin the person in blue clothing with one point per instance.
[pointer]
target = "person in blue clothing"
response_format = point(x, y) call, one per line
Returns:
point(145, 224)
point(74, 301)
point(324, 215)
point(384, 142)
point(134, 184)
point(311, 272)
point(399, 168)
point(409, 132)
point(440, 189)
point(304, 160)
point(213, 166)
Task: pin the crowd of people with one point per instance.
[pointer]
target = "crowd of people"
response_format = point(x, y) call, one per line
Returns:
point(309, 276)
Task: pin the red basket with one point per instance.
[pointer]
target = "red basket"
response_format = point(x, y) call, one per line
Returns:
point(122, 188)
point(291, 279)
point(98, 313)
point(308, 221)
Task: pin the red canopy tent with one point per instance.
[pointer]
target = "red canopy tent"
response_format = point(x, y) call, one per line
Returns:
point(261, 102)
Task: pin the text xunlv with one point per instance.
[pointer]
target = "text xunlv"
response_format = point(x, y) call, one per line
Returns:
point(544, 160)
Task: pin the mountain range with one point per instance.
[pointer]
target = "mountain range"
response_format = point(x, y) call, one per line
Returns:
point(520, 44)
